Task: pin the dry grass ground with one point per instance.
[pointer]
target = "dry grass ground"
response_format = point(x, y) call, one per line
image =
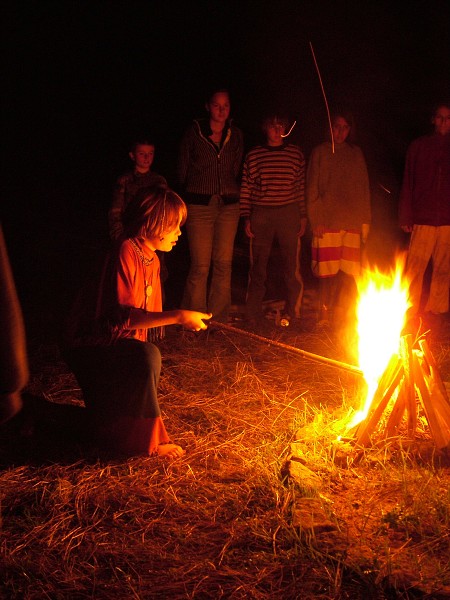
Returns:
point(232, 518)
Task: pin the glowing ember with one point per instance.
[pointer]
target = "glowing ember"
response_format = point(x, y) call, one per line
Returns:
point(382, 305)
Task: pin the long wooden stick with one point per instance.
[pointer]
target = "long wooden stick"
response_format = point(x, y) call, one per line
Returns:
point(324, 95)
point(316, 357)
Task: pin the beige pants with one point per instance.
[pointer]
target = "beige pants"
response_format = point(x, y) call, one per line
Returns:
point(429, 243)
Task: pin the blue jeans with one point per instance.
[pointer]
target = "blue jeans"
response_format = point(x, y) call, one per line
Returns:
point(211, 231)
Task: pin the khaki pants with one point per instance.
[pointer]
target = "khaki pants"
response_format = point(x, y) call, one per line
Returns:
point(429, 243)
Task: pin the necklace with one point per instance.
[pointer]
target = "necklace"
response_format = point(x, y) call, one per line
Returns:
point(148, 289)
point(145, 261)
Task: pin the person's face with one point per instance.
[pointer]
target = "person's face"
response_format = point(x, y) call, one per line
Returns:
point(143, 156)
point(219, 107)
point(274, 133)
point(341, 129)
point(167, 240)
point(441, 120)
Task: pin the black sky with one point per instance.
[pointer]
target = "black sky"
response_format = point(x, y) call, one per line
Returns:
point(83, 78)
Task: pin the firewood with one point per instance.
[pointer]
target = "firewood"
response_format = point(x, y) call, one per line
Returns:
point(428, 356)
point(408, 388)
point(397, 412)
point(439, 434)
point(388, 384)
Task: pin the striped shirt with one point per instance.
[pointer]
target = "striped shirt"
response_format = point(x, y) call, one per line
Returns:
point(273, 176)
point(204, 169)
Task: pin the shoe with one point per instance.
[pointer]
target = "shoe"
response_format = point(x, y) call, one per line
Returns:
point(285, 320)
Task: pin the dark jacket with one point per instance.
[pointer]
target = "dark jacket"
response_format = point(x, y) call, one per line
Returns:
point(204, 169)
point(425, 193)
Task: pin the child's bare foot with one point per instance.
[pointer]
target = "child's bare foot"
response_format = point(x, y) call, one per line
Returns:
point(170, 451)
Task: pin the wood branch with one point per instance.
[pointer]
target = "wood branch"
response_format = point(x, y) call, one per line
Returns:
point(440, 433)
point(434, 371)
point(388, 384)
point(438, 393)
point(316, 357)
point(408, 388)
point(397, 413)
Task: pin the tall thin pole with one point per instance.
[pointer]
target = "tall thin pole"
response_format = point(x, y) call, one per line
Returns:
point(324, 95)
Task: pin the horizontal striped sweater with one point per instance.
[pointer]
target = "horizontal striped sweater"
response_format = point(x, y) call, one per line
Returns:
point(273, 176)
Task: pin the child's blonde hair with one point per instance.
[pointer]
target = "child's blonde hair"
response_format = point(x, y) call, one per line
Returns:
point(153, 212)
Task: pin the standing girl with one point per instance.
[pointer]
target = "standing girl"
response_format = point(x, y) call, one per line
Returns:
point(338, 201)
point(209, 163)
point(109, 338)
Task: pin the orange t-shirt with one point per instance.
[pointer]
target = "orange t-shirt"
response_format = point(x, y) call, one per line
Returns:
point(138, 282)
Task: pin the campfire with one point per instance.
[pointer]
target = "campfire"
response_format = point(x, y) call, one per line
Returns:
point(403, 385)
point(403, 388)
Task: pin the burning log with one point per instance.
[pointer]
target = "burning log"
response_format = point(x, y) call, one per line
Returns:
point(430, 413)
point(434, 397)
point(410, 380)
point(408, 388)
point(401, 375)
point(388, 384)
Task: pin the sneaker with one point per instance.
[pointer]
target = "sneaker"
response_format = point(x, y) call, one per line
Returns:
point(285, 320)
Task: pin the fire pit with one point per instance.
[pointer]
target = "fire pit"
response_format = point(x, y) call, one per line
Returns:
point(403, 384)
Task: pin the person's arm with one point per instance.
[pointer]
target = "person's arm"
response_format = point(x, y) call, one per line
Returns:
point(365, 230)
point(364, 194)
point(189, 319)
point(313, 200)
point(248, 228)
point(405, 217)
point(302, 229)
point(301, 195)
point(128, 286)
point(183, 161)
point(239, 153)
point(245, 198)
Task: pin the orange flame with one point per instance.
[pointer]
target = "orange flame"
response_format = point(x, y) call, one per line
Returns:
point(381, 313)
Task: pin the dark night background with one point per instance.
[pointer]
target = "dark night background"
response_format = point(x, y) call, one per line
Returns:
point(82, 79)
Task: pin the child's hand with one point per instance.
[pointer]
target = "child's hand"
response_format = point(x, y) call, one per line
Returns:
point(365, 229)
point(193, 320)
point(319, 231)
point(248, 229)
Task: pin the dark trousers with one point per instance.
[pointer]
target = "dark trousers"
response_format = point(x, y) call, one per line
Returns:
point(118, 380)
point(267, 224)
